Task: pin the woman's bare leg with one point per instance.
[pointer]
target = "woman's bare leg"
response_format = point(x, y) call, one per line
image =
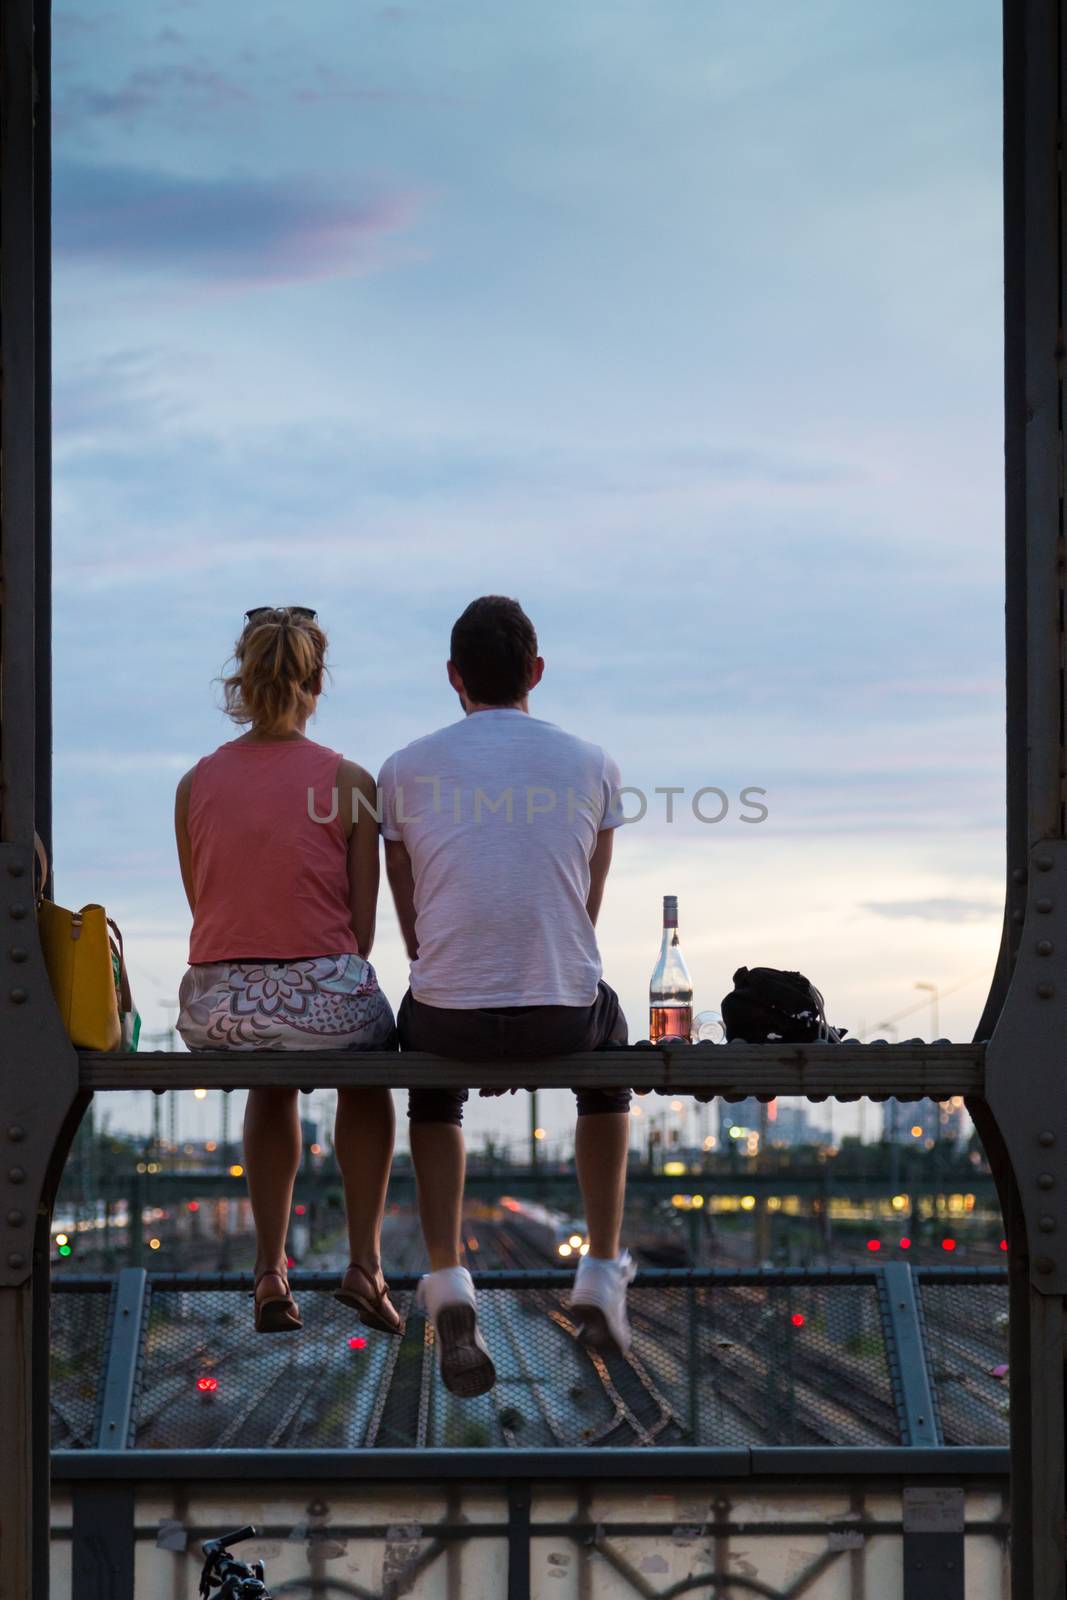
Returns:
point(272, 1148)
point(363, 1143)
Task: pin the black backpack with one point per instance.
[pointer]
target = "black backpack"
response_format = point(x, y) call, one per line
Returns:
point(766, 1005)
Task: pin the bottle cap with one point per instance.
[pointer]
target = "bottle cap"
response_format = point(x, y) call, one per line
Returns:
point(670, 910)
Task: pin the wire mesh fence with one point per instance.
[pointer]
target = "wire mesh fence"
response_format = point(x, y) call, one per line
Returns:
point(81, 1325)
point(717, 1360)
point(965, 1329)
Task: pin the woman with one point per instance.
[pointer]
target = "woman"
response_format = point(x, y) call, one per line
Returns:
point(279, 858)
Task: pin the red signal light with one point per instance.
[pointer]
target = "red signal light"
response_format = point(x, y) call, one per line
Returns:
point(357, 1342)
point(290, 1261)
point(300, 1210)
point(192, 1205)
point(207, 1385)
point(797, 1319)
point(874, 1244)
point(1003, 1244)
point(905, 1244)
point(948, 1244)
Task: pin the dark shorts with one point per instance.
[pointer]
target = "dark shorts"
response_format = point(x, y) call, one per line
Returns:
point(514, 1032)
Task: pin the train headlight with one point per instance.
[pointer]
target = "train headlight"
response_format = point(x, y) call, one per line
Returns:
point(565, 1249)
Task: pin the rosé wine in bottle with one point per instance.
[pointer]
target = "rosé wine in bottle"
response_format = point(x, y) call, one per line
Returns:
point(670, 993)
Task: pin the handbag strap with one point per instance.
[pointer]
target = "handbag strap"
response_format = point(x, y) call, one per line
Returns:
point(125, 994)
point(40, 867)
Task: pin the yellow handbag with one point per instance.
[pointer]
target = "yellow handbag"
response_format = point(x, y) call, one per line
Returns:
point(82, 958)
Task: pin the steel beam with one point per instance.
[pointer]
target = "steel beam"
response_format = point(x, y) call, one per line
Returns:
point(38, 1070)
point(124, 1346)
point(734, 1071)
point(881, 1464)
point(906, 1354)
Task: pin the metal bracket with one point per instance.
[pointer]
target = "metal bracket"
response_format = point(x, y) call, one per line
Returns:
point(1026, 1068)
point(38, 1072)
point(934, 1543)
point(124, 1347)
point(907, 1357)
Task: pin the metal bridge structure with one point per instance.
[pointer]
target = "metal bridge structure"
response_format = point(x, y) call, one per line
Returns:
point(1011, 1075)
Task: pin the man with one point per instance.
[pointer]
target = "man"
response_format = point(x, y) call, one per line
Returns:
point(498, 837)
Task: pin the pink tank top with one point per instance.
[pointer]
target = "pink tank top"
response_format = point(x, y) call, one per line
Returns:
point(269, 880)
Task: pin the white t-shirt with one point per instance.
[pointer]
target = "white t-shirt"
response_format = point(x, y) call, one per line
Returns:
point(500, 815)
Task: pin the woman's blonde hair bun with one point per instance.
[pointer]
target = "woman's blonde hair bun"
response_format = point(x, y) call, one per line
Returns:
point(279, 662)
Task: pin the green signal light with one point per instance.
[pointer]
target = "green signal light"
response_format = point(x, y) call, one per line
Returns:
point(65, 1250)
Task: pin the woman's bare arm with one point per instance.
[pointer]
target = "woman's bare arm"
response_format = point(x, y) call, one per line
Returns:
point(357, 807)
point(181, 834)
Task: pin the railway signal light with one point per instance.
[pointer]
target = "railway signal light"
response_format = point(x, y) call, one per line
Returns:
point(797, 1319)
point(299, 1210)
point(357, 1342)
point(207, 1384)
point(1003, 1244)
point(948, 1244)
point(905, 1244)
point(192, 1205)
point(874, 1244)
point(63, 1245)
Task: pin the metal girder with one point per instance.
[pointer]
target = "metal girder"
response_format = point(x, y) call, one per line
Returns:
point(819, 1072)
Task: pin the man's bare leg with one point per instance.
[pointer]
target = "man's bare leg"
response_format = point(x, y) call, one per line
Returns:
point(601, 1142)
point(440, 1168)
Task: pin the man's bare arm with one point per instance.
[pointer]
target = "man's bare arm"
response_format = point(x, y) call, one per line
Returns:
point(599, 863)
point(402, 883)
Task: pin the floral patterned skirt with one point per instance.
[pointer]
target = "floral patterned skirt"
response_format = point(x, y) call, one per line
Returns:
point(317, 1003)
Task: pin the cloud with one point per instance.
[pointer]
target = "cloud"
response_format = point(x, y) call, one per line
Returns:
point(118, 396)
point(945, 909)
point(181, 87)
point(226, 230)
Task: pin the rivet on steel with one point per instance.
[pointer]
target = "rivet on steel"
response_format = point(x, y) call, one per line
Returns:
point(1043, 863)
point(1047, 1224)
point(1046, 1138)
point(1046, 990)
point(1044, 905)
point(1044, 947)
point(1045, 1180)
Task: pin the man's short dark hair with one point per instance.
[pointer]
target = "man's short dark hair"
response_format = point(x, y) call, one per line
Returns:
point(494, 648)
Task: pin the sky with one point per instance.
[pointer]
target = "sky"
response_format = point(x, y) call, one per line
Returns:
point(677, 319)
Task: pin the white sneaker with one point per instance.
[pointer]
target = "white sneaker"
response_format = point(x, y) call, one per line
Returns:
point(599, 1299)
point(447, 1297)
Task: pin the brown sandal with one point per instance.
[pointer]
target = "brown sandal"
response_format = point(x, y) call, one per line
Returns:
point(276, 1313)
point(372, 1308)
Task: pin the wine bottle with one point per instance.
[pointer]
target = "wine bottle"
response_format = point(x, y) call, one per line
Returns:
point(670, 993)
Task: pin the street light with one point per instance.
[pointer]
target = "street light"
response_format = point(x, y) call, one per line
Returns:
point(935, 1006)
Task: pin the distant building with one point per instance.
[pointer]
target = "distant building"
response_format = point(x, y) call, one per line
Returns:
point(926, 1122)
point(786, 1122)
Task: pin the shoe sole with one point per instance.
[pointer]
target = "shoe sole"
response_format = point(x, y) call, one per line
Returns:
point(367, 1315)
point(594, 1331)
point(467, 1369)
point(275, 1316)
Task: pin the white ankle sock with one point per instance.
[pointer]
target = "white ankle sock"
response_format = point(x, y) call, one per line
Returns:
point(449, 1286)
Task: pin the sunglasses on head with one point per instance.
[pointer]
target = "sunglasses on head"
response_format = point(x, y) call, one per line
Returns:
point(257, 613)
